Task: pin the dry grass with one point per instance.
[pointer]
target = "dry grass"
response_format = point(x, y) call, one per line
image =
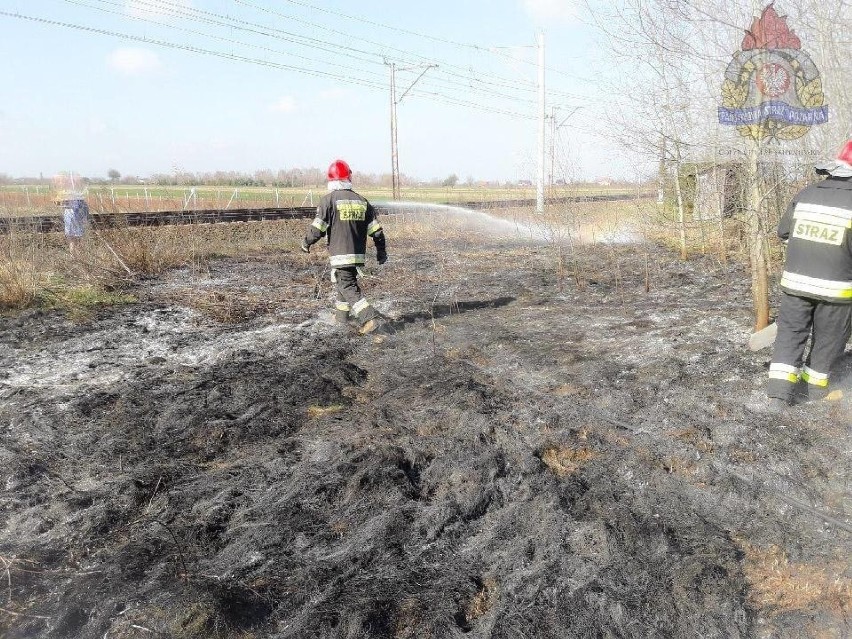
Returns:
point(570, 390)
point(36, 268)
point(481, 602)
point(695, 438)
point(23, 268)
point(785, 586)
point(321, 411)
point(31, 264)
point(566, 460)
point(151, 251)
point(229, 307)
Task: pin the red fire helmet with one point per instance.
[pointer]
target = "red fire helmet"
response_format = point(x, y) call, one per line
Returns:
point(846, 153)
point(339, 170)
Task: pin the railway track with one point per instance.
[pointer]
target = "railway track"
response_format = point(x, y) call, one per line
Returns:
point(51, 223)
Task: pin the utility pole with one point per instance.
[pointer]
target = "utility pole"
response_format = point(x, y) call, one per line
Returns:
point(394, 103)
point(539, 196)
point(394, 156)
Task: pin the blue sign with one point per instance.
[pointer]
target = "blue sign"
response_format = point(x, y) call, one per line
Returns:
point(778, 111)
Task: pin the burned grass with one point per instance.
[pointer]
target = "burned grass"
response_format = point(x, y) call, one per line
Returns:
point(512, 462)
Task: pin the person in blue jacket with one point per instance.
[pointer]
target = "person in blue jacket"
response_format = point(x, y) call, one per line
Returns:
point(76, 219)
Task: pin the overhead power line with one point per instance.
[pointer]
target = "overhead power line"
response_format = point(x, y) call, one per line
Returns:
point(372, 23)
point(444, 64)
point(465, 45)
point(468, 84)
point(257, 61)
point(425, 36)
point(186, 47)
point(469, 77)
point(443, 83)
point(82, 3)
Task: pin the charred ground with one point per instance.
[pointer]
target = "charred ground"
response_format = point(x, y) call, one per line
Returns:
point(515, 461)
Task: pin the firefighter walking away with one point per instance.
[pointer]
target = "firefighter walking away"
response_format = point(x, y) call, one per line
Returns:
point(816, 298)
point(347, 219)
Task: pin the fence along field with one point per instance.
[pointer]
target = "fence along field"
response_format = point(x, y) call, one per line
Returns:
point(38, 199)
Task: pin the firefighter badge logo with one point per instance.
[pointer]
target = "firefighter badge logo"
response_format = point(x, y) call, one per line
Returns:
point(772, 88)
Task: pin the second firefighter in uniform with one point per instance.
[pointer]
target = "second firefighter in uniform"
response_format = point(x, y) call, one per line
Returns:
point(816, 298)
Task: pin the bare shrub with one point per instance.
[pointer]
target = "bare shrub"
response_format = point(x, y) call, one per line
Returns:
point(36, 267)
point(22, 268)
point(150, 251)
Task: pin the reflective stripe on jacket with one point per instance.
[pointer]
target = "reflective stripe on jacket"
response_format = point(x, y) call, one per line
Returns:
point(348, 219)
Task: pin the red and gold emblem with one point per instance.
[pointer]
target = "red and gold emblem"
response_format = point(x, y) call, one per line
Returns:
point(772, 88)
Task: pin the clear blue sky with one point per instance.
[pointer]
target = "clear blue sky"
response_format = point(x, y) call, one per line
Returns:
point(85, 101)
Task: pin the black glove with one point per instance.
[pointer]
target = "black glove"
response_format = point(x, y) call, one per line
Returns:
point(305, 248)
point(381, 257)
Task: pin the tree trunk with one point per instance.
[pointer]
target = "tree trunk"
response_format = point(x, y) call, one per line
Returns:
point(680, 211)
point(757, 244)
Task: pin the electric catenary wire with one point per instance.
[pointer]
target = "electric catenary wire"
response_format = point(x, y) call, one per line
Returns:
point(261, 30)
point(464, 45)
point(260, 62)
point(468, 78)
point(176, 11)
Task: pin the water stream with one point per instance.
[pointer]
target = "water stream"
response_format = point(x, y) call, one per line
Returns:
point(549, 231)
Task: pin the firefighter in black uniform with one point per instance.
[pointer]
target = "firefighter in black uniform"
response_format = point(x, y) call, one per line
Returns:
point(348, 219)
point(816, 285)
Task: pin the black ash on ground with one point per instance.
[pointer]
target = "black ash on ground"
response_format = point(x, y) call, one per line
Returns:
point(515, 461)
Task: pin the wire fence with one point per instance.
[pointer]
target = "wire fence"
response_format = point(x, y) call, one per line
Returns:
point(39, 200)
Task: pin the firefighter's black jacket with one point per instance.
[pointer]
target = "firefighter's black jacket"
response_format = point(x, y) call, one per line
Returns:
point(348, 219)
point(818, 226)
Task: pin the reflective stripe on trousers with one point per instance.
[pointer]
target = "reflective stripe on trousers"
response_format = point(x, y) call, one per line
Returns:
point(826, 324)
point(360, 306)
point(349, 292)
point(783, 371)
point(814, 378)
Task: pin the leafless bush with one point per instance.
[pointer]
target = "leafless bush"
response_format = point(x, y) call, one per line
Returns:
point(20, 274)
point(33, 264)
